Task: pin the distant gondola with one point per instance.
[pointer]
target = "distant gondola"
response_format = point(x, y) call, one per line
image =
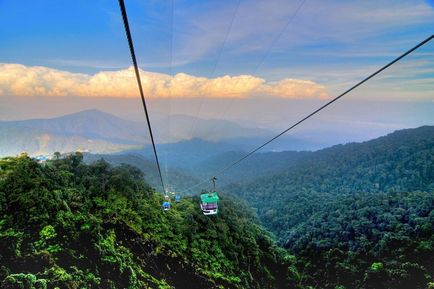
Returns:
point(166, 206)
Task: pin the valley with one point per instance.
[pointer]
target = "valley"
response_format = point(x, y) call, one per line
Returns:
point(338, 214)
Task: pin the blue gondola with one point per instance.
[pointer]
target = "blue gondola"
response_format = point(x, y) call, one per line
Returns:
point(166, 206)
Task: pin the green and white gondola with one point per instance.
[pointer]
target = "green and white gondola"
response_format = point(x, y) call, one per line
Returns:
point(209, 203)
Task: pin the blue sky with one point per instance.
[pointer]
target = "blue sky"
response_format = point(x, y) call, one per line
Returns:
point(211, 38)
point(310, 49)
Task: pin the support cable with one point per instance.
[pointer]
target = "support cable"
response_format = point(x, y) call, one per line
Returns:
point(219, 55)
point(262, 59)
point(317, 110)
point(139, 83)
point(167, 152)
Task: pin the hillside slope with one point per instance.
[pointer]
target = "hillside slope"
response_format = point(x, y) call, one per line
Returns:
point(268, 164)
point(70, 225)
point(358, 215)
point(399, 162)
point(376, 240)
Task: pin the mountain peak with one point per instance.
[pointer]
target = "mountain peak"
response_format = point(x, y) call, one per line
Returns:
point(91, 113)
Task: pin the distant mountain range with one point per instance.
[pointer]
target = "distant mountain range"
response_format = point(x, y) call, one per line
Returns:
point(183, 127)
point(99, 132)
point(89, 130)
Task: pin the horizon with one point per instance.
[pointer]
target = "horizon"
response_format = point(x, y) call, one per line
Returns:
point(215, 62)
point(78, 116)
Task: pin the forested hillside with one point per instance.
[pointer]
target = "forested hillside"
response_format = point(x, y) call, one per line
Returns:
point(66, 224)
point(267, 164)
point(375, 240)
point(400, 162)
point(357, 215)
point(351, 216)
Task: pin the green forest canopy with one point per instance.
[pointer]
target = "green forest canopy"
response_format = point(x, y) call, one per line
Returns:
point(358, 215)
point(70, 225)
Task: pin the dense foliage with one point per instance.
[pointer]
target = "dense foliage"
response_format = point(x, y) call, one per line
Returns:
point(400, 162)
point(70, 225)
point(358, 215)
point(369, 241)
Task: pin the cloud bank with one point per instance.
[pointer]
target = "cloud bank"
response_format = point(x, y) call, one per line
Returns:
point(21, 80)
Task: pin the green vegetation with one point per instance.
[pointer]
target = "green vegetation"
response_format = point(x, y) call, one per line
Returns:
point(67, 224)
point(351, 216)
point(369, 241)
point(356, 215)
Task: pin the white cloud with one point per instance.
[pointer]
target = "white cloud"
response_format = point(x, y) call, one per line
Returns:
point(292, 88)
point(21, 80)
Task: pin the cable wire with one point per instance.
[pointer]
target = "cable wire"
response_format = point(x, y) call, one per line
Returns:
point(220, 52)
point(262, 59)
point(167, 153)
point(139, 83)
point(318, 110)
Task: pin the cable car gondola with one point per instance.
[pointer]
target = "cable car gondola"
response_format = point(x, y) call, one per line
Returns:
point(209, 201)
point(166, 206)
point(166, 203)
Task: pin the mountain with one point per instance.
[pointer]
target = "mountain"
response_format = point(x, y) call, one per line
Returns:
point(99, 132)
point(200, 157)
point(89, 130)
point(358, 215)
point(185, 154)
point(184, 127)
point(66, 224)
point(91, 124)
point(15, 140)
